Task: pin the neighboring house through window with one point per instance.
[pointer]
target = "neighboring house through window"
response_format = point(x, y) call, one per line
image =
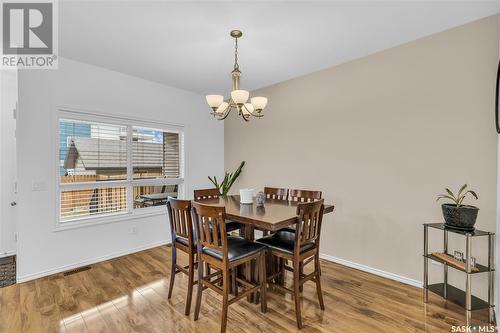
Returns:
point(112, 166)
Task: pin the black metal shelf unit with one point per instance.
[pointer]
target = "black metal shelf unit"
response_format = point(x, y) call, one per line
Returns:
point(452, 293)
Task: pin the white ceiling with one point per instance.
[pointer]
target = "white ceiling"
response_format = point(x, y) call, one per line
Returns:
point(187, 44)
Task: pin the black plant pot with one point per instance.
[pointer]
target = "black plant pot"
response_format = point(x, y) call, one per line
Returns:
point(462, 218)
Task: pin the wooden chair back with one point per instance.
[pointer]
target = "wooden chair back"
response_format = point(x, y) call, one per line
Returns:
point(210, 227)
point(206, 194)
point(179, 212)
point(276, 193)
point(310, 216)
point(304, 195)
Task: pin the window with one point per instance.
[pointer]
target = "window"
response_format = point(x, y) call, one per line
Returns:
point(116, 166)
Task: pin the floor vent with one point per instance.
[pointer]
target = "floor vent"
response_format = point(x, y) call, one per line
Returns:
point(7, 271)
point(77, 270)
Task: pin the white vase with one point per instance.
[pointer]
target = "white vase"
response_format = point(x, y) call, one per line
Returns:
point(246, 196)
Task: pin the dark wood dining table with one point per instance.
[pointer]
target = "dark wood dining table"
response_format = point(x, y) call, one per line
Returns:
point(272, 216)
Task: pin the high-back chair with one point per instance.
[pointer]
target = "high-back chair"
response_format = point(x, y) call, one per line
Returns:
point(300, 247)
point(225, 253)
point(304, 195)
point(181, 229)
point(213, 193)
point(209, 193)
point(276, 193)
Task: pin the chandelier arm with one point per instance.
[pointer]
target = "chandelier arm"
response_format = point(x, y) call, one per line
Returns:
point(254, 114)
point(227, 112)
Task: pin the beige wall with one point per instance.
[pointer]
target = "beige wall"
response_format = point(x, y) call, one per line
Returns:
point(381, 136)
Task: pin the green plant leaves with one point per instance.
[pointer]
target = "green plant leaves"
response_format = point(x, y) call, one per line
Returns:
point(228, 181)
point(459, 198)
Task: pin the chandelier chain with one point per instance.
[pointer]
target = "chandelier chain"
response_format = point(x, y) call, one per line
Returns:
point(236, 65)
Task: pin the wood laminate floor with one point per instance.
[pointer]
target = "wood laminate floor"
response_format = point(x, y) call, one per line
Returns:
point(129, 294)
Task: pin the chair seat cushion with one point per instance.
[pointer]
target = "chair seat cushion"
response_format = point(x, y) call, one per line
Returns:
point(184, 241)
point(289, 229)
point(237, 248)
point(284, 241)
point(232, 226)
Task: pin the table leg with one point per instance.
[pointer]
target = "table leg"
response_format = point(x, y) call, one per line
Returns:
point(249, 269)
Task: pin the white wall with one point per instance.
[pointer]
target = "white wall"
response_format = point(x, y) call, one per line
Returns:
point(8, 82)
point(41, 250)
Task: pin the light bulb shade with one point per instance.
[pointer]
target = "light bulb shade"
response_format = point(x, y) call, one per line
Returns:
point(259, 103)
point(214, 101)
point(247, 108)
point(222, 107)
point(239, 96)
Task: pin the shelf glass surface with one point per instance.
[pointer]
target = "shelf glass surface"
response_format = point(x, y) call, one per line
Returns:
point(442, 226)
point(457, 296)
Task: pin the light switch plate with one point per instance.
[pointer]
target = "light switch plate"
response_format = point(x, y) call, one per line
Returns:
point(38, 185)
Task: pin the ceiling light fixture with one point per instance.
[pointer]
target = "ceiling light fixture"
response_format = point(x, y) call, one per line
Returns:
point(238, 98)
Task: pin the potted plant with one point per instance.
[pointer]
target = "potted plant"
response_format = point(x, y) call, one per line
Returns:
point(229, 179)
point(456, 214)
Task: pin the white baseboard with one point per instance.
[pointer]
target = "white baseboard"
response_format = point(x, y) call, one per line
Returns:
point(8, 254)
point(372, 270)
point(28, 277)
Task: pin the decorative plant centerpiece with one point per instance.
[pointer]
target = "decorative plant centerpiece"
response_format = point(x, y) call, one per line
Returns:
point(229, 179)
point(456, 214)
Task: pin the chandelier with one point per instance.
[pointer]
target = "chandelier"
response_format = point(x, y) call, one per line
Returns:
point(238, 100)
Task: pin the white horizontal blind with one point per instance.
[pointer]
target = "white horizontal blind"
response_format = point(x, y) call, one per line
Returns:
point(100, 166)
point(92, 149)
point(91, 202)
point(155, 154)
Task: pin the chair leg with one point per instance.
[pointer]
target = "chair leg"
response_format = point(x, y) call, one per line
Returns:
point(263, 282)
point(301, 271)
point(281, 278)
point(173, 270)
point(296, 292)
point(225, 299)
point(200, 289)
point(190, 284)
point(317, 268)
point(234, 272)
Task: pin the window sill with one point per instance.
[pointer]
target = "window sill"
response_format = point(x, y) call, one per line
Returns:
point(118, 217)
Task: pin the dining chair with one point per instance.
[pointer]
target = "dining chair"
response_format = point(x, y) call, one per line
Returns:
point(225, 253)
point(301, 248)
point(181, 229)
point(276, 193)
point(304, 195)
point(213, 193)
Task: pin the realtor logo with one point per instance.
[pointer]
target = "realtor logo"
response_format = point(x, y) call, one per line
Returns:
point(29, 35)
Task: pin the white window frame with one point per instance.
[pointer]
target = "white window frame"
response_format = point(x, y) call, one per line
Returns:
point(129, 183)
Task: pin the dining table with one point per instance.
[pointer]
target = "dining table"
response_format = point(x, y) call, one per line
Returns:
point(271, 216)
